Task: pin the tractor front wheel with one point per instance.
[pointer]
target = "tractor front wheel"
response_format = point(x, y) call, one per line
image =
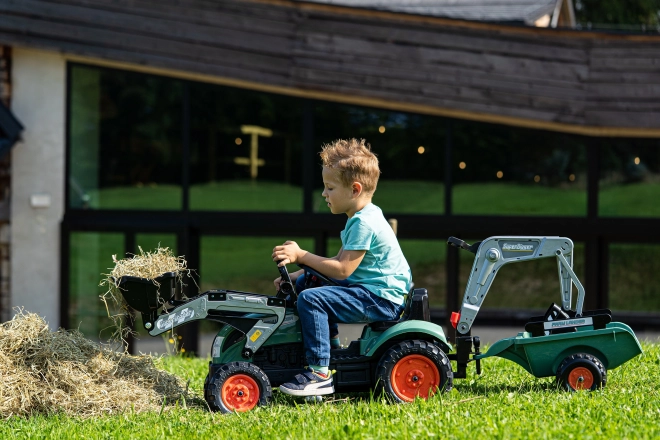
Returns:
point(412, 369)
point(581, 371)
point(237, 387)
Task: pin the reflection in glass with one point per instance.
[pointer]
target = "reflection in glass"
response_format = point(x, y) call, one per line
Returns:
point(124, 140)
point(515, 171)
point(149, 242)
point(427, 261)
point(243, 263)
point(634, 277)
point(245, 150)
point(410, 150)
point(629, 178)
point(90, 258)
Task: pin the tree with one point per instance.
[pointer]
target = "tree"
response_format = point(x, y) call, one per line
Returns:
point(620, 14)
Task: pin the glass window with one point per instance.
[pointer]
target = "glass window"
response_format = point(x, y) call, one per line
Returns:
point(242, 263)
point(410, 150)
point(526, 285)
point(124, 140)
point(91, 258)
point(634, 276)
point(514, 171)
point(629, 178)
point(152, 241)
point(245, 150)
point(427, 260)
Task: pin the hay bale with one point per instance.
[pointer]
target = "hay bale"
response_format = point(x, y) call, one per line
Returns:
point(45, 372)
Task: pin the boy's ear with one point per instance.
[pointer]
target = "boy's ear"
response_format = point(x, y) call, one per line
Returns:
point(357, 189)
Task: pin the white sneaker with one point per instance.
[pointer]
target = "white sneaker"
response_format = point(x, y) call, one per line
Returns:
point(309, 383)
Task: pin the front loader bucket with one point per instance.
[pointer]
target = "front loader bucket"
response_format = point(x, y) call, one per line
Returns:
point(147, 296)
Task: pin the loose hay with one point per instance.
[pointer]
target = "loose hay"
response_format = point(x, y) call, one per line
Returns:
point(46, 372)
point(149, 265)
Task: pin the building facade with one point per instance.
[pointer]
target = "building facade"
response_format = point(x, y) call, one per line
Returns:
point(198, 128)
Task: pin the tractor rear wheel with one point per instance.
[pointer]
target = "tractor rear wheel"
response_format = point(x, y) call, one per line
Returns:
point(412, 369)
point(237, 387)
point(581, 371)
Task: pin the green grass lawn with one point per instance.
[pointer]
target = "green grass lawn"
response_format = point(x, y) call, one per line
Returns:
point(504, 402)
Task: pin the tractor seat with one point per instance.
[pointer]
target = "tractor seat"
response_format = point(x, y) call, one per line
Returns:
point(416, 307)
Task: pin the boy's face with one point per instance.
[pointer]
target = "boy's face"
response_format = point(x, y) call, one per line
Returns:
point(338, 196)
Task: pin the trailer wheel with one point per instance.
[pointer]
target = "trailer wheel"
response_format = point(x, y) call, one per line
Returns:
point(237, 387)
point(581, 371)
point(412, 369)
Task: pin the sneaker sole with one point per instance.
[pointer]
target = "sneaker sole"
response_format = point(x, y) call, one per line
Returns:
point(303, 393)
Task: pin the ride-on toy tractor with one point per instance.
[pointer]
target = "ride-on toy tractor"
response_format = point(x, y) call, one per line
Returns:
point(260, 344)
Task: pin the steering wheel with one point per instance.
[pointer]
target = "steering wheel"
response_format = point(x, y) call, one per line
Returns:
point(314, 278)
point(287, 289)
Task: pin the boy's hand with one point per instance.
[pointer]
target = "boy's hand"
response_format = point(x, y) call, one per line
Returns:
point(294, 276)
point(287, 253)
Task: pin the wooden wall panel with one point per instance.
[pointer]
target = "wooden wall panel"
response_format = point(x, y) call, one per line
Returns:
point(561, 80)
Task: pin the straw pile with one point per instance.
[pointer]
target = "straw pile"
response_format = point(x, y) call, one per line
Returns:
point(46, 372)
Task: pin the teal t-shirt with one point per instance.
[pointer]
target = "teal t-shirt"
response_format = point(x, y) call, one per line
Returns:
point(384, 270)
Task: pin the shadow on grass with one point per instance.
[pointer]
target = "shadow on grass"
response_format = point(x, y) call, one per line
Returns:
point(285, 399)
point(460, 393)
point(484, 387)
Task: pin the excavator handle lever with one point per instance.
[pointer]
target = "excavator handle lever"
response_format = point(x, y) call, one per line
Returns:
point(457, 242)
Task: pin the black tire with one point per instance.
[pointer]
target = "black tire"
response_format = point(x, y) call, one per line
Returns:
point(243, 384)
point(413, 369)
point(581, 371)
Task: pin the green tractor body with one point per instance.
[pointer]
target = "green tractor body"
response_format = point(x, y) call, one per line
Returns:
point(282, 356)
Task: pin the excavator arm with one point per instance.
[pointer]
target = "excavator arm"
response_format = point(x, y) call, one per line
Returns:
point(495, 252)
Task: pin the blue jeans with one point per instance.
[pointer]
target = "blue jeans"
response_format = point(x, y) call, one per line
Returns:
point(321, 309)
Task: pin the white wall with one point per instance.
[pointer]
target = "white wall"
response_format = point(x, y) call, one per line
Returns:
point(38, 101)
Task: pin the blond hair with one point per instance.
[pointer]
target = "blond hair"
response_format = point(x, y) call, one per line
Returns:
point(354, 162)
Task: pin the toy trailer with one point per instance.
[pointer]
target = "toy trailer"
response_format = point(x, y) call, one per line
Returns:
point(575, 346)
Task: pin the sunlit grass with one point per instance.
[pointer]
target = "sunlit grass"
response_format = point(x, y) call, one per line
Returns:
point(504, 402)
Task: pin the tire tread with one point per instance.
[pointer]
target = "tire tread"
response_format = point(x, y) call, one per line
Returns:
point(405, 348)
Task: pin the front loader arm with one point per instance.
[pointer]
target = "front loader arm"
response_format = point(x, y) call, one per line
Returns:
point(264, 313)
point(495, 252)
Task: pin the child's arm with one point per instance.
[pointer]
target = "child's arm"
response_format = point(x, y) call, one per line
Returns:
point(339, 267)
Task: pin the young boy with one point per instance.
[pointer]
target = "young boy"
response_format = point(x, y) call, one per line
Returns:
point(374, 275)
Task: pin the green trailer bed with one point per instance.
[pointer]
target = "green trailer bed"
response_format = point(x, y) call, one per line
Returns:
point(542, 355)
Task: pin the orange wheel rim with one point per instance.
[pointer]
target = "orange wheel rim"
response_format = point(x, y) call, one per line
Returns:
point(415, 376)
point(240, 393)
point(580, 378)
